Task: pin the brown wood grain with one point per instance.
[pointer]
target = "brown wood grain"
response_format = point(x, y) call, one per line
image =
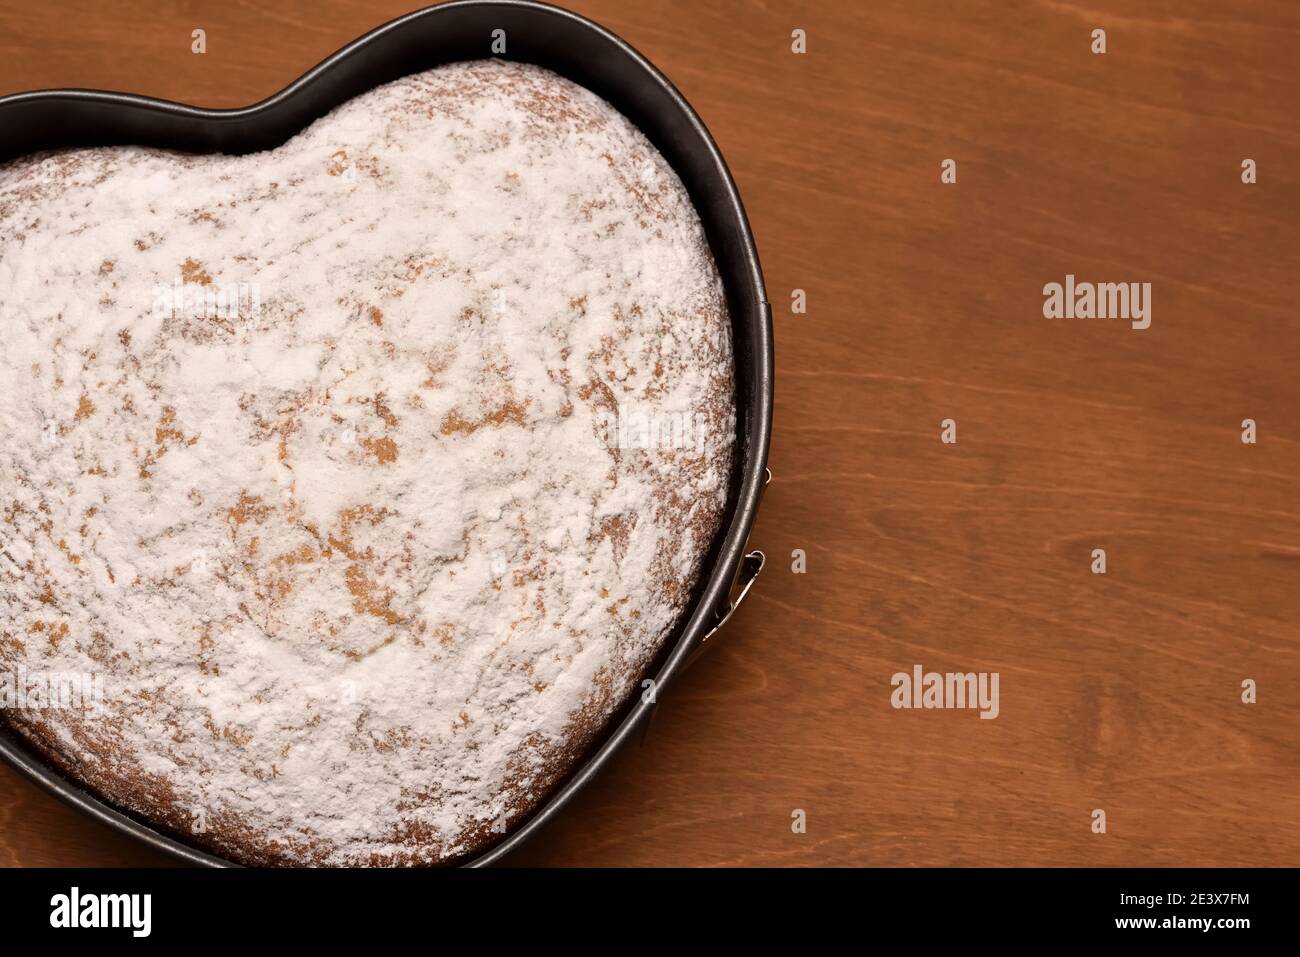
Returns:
point(1119, 692)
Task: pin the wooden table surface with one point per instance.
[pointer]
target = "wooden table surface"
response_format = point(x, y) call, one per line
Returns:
point(1119, 692)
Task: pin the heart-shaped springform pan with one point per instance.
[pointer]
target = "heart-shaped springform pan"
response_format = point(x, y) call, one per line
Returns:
point(584, 53)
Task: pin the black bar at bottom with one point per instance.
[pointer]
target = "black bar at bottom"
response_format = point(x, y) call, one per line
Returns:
point(335, 907)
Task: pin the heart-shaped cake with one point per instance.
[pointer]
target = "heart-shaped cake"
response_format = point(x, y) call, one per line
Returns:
point(348, 489)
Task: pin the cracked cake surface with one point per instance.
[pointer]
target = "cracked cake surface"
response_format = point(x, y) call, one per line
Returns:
point(366, 474)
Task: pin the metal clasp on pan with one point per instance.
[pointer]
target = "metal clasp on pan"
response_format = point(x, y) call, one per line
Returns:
point(749, 569)
point(746, 575)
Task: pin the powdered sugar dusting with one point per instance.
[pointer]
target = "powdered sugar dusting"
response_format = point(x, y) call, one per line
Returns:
point(352, 544)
